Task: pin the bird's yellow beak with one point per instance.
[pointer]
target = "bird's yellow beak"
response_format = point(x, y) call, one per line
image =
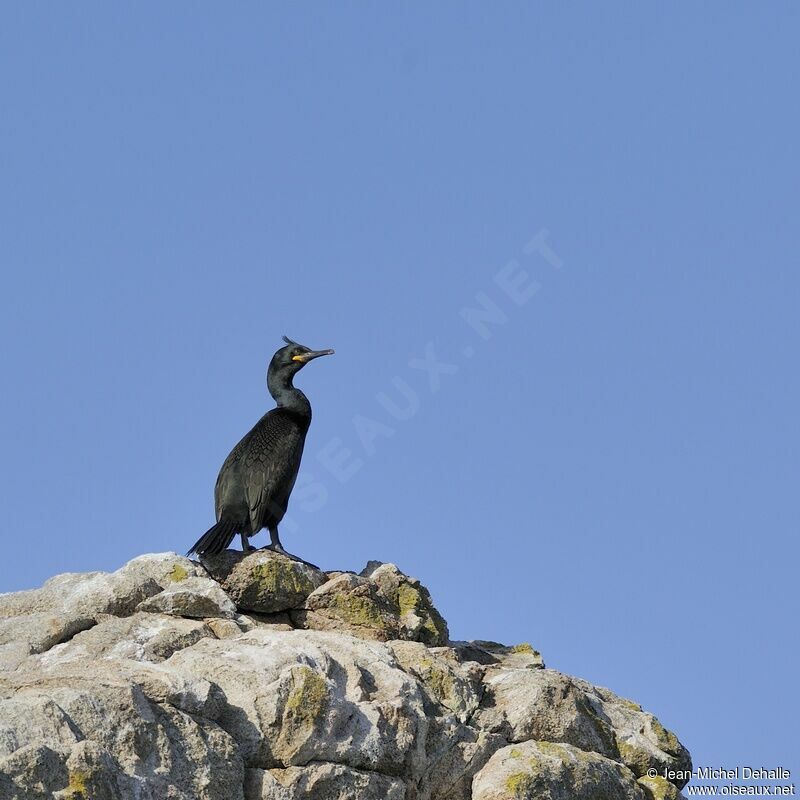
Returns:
point(303, 358)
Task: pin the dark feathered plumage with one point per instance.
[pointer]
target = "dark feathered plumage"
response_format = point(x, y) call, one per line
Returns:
point(255, 482)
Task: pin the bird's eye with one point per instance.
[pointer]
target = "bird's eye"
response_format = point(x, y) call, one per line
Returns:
point(298, 353)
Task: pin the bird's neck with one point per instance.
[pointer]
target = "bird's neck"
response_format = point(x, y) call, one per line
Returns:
point(288, 396)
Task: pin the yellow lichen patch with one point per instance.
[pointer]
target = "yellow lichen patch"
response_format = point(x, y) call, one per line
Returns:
point(76, 788)
point(551, 748)
point(411, 600)
point(515, 752)
point(407, 598)
point(629, 704)
point(308, 699)
point(659, 788)
point(629, 753)
point(604, 732)
point(524, 647)
point(358, 610)
point(273, 576)
point(178, 573)
point(665, 739)
point(520, 783)
point(561, 752)
point(634, 757)
point(438, 680)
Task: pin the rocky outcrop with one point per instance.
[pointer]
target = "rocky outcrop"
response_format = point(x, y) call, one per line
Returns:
point(254, 677)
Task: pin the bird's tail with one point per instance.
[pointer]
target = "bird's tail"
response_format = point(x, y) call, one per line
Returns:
point(215, 539)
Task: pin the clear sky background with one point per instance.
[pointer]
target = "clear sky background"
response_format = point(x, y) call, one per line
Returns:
point(608, 468)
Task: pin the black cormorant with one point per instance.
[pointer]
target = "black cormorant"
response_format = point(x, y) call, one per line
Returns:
point(255, 482)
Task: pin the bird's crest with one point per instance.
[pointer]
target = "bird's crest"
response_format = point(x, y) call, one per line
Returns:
point(289, 341)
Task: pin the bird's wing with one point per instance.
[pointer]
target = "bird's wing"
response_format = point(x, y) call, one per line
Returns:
point(270, 462)
point(227, 491)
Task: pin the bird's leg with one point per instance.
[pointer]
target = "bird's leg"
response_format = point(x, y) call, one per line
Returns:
point(276, 547)
point(275, 542)
point(246, 546)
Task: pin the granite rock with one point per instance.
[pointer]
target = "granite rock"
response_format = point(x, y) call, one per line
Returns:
point(254, 677)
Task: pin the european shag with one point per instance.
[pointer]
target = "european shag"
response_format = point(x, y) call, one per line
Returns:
point(255, 482)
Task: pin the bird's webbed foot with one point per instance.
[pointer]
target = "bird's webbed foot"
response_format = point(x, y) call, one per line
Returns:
point(277, 548)
point(246, 546)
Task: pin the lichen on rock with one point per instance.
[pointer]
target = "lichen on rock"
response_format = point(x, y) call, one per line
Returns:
point(659, 788)
point(419, 619)
point(178, 573)
point(350, 604)
point(554, 771)
point(263, 581)
point(455, 687)
point(253, 677)
point(308, 699)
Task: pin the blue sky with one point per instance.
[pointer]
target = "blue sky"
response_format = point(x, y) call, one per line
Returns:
point(610, 471)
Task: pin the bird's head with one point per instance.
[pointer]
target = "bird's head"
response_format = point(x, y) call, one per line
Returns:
point(293, 357)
